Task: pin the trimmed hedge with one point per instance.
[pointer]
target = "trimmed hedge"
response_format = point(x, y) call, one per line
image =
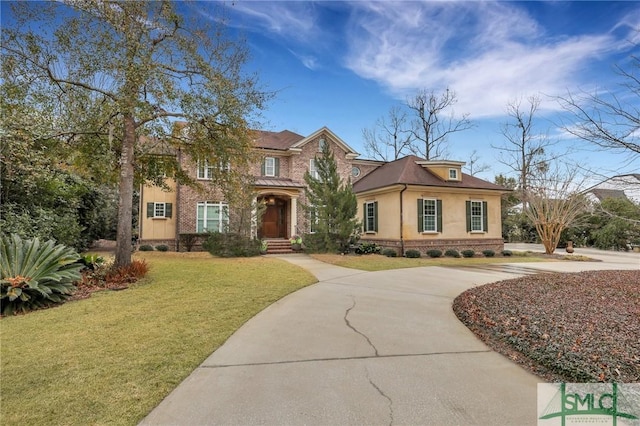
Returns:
point(145, 247)
point(390, 252)
point(162, 247)
point(506, 253)
point(452, 253)
point(468, 253)
point(488, 253)
point(412, 254)
point(434, 253)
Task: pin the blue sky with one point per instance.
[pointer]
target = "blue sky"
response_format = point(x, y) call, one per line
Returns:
point(344, 64)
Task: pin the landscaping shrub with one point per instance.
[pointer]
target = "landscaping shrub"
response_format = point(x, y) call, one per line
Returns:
point(127, 274)
point(452, 253)
point(145, 247)
point(189, 240)
point(34, 274)
point(231, 245)
point(412, 254)
point(488, 253)
point(162, 247)
point(91, 261)
point(468, 253)
point(434, 253)
point(368, 248)
point(506, 253)
point(389, 252)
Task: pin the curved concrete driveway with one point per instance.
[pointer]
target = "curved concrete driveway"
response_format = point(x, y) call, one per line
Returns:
point(364, 348)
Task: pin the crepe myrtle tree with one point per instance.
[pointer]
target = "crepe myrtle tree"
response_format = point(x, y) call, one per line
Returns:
point(120, 73)
point(554, 201)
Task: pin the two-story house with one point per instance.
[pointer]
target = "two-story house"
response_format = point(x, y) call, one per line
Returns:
point(403, 204)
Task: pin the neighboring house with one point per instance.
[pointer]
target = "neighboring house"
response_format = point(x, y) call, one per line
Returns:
point(279, 184)
point(622, 186)
point(412, 203)
point(458, 211)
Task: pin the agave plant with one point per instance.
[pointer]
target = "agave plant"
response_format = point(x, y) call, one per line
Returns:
point(35, 274)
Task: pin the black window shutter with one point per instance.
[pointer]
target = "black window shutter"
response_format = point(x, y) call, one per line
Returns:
point(439, 215)
point(375, 216)
point(150, 209)
point(468, 215)
point(420, 215)
point(277, 166)
point(168, 207)
point(485, 217)
point(364, 217)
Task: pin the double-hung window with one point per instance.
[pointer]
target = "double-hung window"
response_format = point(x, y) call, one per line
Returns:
point(429, 215)
point(370, 216)
point(205, 171)
point(271, 166)
point(313, 170)
point(212, 217)
point(477, 219)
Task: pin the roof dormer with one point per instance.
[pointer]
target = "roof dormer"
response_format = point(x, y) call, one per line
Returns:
point(448, 171)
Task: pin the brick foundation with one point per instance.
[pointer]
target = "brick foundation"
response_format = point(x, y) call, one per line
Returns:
point(478, 244)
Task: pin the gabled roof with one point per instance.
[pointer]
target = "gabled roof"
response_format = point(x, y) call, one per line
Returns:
point(332, 135)
point(407, 171)
point(276, 140)
point(602, 194)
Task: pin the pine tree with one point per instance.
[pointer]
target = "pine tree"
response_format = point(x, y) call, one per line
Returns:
point(331, 204)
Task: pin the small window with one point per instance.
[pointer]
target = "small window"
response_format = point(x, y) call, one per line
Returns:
point(159, 210)
point(355, 172)
point(453, 174)
point(212, 217)
point(321, 143)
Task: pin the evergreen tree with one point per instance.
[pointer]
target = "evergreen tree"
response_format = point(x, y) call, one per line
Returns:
point(331, 205)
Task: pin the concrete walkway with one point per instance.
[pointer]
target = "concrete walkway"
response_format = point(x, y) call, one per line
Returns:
point(365, 348)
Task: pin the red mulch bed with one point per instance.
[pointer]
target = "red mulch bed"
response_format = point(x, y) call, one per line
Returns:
point(582, 327)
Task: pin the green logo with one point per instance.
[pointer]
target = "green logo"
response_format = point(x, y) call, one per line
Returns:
point(586, 403)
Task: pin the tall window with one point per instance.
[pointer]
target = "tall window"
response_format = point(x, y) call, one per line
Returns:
point(269, 166)
point(313, 171)
point(212, 217)
point(371, 216)
point(313, 219)
point(429, 215)
point(477, 217)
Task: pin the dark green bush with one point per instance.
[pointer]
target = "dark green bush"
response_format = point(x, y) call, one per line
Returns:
point(162, 247)
point(434, 253)
point(389, 252)
point(189, 240)
point(145, 247)
point(34, 274)
point(488, 253)
point(506, 253)
point(452, 253)
point(231, 245)
point(313, 243)
point(412, 254)
point(468, 253)
point(368, 248)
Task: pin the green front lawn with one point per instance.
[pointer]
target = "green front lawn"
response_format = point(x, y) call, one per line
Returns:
point(377, 262)
point(112, 358)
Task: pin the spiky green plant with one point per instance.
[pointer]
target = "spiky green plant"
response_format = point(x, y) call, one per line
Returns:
point(35, 274)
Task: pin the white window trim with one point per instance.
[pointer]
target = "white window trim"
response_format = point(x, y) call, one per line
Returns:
point(435, 216)
point(224, 221)
point(321, 144)
point(355, 171)
point(455, 173)
point(313, 171)
point(481, 216)
point(268, 160)
point(366, 222)
point(204, 170)
point(155, 210)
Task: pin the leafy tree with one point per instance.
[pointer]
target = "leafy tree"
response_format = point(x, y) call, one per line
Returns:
point(118, 73)
point(619, 221)
point(332, 204)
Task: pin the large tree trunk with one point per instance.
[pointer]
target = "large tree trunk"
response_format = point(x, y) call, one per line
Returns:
point(125, 197)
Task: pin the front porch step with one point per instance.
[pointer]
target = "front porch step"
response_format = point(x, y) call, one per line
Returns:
point(278, 246)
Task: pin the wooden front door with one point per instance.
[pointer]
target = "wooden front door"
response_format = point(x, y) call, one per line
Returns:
point(273, 221)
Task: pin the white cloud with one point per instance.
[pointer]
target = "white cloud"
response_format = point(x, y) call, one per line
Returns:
point(488, 53)
point(288, 19)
